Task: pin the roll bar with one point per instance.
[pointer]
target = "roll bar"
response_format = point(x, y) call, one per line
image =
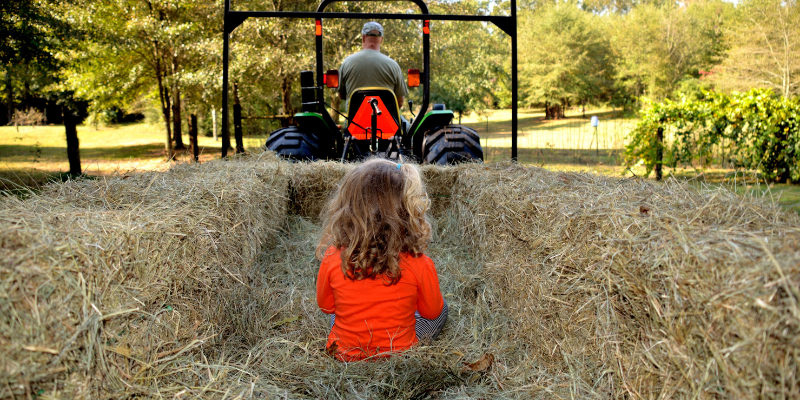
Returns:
point(507, 24)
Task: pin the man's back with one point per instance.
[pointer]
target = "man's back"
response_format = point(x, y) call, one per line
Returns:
point(371, 68)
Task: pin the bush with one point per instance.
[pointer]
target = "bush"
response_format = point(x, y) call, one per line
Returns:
point(757, 129)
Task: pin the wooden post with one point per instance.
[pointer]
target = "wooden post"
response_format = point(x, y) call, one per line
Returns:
point(237, 119)
point(659, 152)
point(193, 137)
point(73, 150)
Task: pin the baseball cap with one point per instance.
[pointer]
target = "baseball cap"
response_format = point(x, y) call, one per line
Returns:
point(370, 27)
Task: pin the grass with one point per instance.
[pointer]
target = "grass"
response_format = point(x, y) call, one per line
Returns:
point(30, 155)
point(34, 155)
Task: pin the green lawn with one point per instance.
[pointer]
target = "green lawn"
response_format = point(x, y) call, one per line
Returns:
point(31, 155)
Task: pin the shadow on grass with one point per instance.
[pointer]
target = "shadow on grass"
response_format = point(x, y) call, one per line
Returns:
point(502, 129)
point(16, 152)
point(538, 156)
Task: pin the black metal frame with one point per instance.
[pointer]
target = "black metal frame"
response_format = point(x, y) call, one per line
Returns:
point(507, 24)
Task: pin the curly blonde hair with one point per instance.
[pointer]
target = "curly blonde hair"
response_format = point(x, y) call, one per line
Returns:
point(378, 212)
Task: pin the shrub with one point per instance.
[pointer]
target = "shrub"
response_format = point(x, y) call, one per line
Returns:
point(758, 130)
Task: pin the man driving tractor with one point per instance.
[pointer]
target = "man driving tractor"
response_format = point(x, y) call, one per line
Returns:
point(371, 68)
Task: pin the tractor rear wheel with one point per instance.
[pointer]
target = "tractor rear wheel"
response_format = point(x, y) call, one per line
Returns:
point(294, 143)
point(452, 144)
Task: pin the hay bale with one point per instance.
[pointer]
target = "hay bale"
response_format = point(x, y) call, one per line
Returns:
point(106, 283)
point(311, 184)
point(637, 289)
point(580, 285)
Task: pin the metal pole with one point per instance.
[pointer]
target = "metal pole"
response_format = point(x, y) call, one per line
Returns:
point(226, 136)
point(514, 81)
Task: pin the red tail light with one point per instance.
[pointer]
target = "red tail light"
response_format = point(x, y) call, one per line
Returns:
point(332, 78)
point(319, 27)
point(426, 27)
point(413, 77)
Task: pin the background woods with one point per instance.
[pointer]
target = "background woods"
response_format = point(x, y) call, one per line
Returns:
point(114, 61)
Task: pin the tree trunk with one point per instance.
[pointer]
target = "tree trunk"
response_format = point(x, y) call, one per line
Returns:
point(176, 107)
point(547, 114)
point(336, 103)
point(163, 96)
point(176, 119)
point(73, 150)
point(9, 95)
point(237, 119)
point(193, 137)
point(659, 152)
point(286, 94)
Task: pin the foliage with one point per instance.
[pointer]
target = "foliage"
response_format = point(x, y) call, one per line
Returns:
point(765, 44)
point(565, 58)
point(758, 131)
point(469, 60)
point(658, 46)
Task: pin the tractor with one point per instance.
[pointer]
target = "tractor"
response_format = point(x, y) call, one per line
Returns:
point(374, 126)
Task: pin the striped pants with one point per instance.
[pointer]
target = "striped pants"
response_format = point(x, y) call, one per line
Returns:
point(425, 328)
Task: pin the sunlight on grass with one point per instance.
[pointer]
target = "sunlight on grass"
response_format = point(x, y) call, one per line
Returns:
point(30, 154)
point(33, 154)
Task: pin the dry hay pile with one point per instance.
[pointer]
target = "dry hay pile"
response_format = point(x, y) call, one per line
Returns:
point(581, 286)
point(626, 288)
point(105, 285)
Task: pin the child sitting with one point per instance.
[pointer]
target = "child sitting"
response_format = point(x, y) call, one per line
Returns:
point(381, 290)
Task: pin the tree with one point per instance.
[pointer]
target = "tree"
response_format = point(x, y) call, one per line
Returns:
point(564, 59)
point(765, 48)
point(140, 48)
point(470, 61)
point(36, 35)
point(658, 46)
point(32, 34)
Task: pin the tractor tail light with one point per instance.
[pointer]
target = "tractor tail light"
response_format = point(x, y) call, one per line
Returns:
point(332, 78)
point(319, 27)
point(426, 27)
point(413, 77)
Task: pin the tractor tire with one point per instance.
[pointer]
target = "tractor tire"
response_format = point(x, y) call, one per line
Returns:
point(295, 144)
point(452, 144)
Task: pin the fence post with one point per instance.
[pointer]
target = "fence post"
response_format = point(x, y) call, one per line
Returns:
point(237, 119)
point(193, 137)
point(73, 149)
point(659, 152)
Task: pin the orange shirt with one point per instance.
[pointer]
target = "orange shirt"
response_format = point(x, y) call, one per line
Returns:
point(371, 317)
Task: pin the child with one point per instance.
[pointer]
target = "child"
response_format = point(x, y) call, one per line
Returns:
point(381, 291)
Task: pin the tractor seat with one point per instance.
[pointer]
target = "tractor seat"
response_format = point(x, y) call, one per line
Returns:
point(360, 112)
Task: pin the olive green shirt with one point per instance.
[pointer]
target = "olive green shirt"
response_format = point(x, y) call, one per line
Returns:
point(370, 68)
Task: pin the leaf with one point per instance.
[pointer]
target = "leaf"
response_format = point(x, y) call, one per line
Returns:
point(331, 350)
point(285, 321)
point(484, 363)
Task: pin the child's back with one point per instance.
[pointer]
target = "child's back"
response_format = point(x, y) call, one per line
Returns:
point(373, 275)
point(372, 317)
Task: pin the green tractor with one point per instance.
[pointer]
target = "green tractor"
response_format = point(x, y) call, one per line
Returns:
point(374, 123)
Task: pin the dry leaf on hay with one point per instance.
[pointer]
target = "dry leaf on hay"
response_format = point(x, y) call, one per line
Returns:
point(331, 350)
point(484, 363)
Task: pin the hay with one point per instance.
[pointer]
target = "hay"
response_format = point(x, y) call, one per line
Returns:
point(104, 282)
point(634, 289)
point(581, 286)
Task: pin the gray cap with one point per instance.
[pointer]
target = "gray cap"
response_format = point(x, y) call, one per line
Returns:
point(370, 27)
